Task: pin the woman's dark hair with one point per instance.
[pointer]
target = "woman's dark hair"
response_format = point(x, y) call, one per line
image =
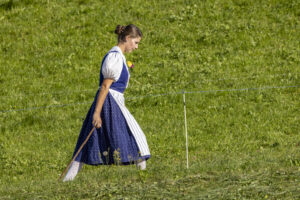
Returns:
point(131, 30)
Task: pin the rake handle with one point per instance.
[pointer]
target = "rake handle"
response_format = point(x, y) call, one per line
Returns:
point(82, 145)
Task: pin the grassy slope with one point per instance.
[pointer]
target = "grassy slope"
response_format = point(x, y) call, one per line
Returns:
point(242, 144)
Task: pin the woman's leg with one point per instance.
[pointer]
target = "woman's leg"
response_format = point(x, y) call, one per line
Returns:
point(73, 171)
point(141, 165)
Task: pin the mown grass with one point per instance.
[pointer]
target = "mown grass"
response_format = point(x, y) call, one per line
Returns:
point(243, 144)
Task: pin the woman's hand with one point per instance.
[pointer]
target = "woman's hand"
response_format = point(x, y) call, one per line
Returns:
point(97, 122)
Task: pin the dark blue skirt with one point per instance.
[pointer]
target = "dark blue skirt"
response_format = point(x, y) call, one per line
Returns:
point(113, 143)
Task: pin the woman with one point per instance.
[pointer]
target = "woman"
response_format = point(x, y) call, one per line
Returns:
point(117, 139)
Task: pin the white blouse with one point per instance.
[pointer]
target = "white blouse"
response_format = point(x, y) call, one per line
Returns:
point(113, 64)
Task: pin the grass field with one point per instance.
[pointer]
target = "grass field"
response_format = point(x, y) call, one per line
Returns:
point(243, 143)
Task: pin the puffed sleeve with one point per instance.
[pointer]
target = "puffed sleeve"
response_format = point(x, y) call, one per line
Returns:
point(112, 66)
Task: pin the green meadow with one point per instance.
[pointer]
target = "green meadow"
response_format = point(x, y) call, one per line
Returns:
point(238, 61)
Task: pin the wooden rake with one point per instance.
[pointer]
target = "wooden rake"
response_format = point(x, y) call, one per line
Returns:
point(82, 145)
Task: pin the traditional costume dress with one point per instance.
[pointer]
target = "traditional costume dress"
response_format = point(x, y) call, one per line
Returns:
point(120, 140)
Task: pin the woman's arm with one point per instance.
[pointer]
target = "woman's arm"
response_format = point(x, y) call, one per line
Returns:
point(97, 122)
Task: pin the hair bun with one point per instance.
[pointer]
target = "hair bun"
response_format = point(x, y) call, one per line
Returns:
point(119, 29)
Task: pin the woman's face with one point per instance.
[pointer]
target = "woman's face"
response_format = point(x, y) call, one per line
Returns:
point(131, 43)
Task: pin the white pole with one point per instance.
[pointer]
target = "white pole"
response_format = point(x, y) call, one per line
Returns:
point(186, 137)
